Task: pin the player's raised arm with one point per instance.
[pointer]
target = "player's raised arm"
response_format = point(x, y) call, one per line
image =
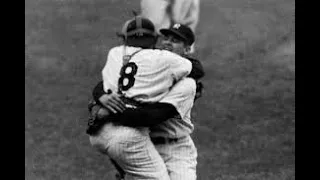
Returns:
point(109, 100)
point(98, 91)
point(179, 66)
point(110, 72)
point(197, 71)
point(147, 115)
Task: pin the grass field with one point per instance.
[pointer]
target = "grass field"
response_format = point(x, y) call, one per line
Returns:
point(244, 123)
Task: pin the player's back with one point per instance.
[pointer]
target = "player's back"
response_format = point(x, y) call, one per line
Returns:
point(149, 74)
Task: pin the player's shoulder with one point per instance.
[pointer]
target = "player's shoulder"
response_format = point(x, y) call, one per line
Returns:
point(116, 49)
point(163, 54)
point(121, 50)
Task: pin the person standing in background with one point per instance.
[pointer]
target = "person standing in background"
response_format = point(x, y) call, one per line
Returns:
point(165, 13)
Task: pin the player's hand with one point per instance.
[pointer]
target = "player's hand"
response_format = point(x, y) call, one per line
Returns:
point(112, 102)
point(99, 111)
point(103, 112)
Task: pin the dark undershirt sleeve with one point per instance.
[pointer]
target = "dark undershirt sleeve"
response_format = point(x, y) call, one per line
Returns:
point(98, 91)
point(146, 116)
point(197, 70)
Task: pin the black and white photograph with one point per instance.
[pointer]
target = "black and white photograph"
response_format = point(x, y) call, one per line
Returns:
point(159, 89)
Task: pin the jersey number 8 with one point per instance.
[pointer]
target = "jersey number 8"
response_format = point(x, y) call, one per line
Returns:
point(126, 80)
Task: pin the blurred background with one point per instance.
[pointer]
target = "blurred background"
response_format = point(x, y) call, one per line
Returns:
point(244, 123)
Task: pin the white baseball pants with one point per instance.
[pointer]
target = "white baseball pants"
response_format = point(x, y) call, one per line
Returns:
point(133, 151)
point(180, 158)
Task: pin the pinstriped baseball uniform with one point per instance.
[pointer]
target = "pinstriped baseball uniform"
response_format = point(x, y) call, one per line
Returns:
point(180, 157)
point(182, 97)
point(157, 70)
point(131, 148)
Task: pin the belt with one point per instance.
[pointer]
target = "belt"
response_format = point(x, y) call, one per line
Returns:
point(163, 140)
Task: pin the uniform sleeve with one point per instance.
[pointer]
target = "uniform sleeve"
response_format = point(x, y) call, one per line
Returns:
point(145, 116)
point(179, 66)
point(181, 96)
point(110, 72)
point(197, 71)
point(98, 91)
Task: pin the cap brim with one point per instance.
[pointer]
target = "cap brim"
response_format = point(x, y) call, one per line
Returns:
point(173, 32)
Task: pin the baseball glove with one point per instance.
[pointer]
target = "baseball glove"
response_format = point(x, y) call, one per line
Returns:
point(97, 117)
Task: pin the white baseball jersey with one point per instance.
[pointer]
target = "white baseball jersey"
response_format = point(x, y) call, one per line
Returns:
point(157, 75)
point(180, 157)
point(149, 74)
point(164, 12)
point(181, 96)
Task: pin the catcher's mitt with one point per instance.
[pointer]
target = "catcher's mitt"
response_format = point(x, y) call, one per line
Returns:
point(97, 117)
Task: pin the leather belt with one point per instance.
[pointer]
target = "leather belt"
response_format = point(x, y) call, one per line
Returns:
point(163, 140)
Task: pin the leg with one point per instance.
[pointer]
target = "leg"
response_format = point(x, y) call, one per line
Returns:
point(157, 12)
point(132, 150)
point(180, 159)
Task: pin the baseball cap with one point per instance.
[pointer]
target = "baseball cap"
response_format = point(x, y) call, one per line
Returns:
point(181, 31)
point(138, 26)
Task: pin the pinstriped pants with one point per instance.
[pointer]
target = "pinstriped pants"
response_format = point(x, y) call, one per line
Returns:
point(133, 151)
point(180, 158)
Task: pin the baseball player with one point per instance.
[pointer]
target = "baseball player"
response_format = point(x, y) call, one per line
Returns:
point(179, 155)
point(139, 73)
point(165, 13)
point(171, 135)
